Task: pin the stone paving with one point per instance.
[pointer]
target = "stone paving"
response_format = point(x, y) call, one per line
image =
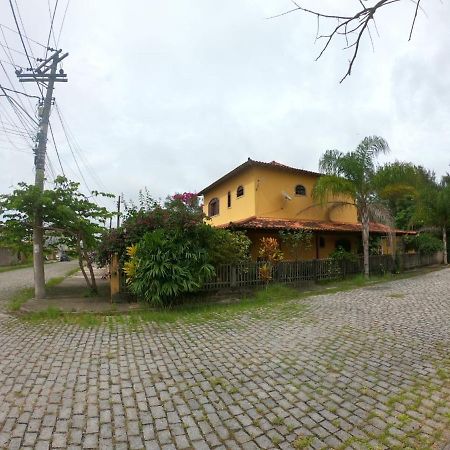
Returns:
point(369, 368)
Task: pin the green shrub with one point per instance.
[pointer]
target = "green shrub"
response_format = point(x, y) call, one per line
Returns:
point(169, 265)
point(342, 255)
point(425, 243)
point(228, 247)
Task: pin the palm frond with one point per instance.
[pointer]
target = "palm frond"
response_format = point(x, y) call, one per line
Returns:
point(333, 205)
point(329, 186)
point(330, 162)
point(380, 213)
point(373, 146)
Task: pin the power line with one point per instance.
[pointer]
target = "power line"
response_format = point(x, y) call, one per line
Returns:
point(77, 148)
point(62, 23)
point(12, 64)
point(4, 37)
point(9, 79)
point(51, 25)
point(21, 38)
point(21, 119)
point(14, 50)
point(28, 38)
point(19, 110)
point(34, 121)
point(71, 150)
point(20, 33)
point(10, 57)
point(56, 148)
point(21, 93)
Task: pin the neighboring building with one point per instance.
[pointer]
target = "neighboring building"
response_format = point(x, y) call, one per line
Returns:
point(9, 257)
point(265, 198)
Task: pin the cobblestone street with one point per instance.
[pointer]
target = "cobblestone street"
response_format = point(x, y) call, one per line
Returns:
point(367, 368)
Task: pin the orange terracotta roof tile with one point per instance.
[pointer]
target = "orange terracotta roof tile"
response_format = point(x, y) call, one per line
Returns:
point(266, 223)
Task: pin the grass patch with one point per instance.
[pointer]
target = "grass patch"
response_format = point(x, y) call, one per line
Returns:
point(257, 306)
point(19, 298)
point(15, 267)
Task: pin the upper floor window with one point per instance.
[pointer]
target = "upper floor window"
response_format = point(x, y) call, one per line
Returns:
point(229, 199)
point(213, 207)
point(240, 191)
point(300, 189)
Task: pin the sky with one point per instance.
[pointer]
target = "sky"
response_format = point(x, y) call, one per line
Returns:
point(172, 95)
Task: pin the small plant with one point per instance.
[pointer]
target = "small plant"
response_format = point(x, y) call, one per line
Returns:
point(278, 420)
point(302, 442)
point(265, 273)
point(270, 252)
point(276, 440)
point(215, 381)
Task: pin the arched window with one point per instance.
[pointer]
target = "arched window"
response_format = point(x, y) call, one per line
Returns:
point(240, 191)
point(213, 207)
point(300, 189)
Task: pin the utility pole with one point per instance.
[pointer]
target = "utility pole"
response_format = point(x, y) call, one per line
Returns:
point(118, 212)
point(46, 74)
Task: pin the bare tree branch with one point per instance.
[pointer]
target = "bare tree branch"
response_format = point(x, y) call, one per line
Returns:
point(352, 27)
point(414, 20)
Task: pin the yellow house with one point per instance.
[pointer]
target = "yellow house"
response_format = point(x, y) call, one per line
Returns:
point(266, 198)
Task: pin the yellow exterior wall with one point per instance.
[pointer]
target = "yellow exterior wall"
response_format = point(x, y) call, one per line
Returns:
point(241, 207)
point(305, 254)
point(330, 243)
point(271, 183)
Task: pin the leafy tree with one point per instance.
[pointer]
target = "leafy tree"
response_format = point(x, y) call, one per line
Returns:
point(425, 243)
point(68, 214)
point(400, 184)
point(351, 177)
point(434, 208)
point(417, 199)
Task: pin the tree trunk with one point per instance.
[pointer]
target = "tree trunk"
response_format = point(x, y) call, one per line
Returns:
point(91, 272)
point(444, 240)
point(80, 263)
point(365, 239)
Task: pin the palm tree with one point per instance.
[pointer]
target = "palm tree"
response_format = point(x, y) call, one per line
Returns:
point(351, 176)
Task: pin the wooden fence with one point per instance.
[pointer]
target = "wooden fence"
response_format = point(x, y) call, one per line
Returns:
point(248, 274)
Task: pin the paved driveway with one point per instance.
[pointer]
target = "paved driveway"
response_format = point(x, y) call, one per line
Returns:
point(368, 368)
